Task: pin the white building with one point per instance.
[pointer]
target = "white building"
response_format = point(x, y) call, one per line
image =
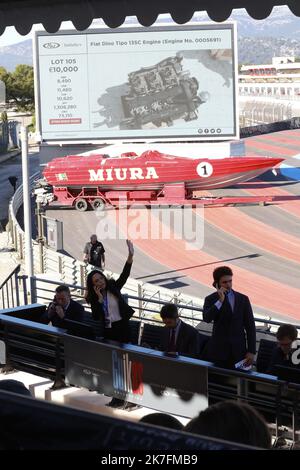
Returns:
point(269, 92)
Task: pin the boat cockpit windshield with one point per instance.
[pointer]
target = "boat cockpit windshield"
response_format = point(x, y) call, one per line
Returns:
point(155, 155)
point(131, 155)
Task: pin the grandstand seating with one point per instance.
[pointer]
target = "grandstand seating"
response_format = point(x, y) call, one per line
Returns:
point(97, 327)
point(39, 349)
point(134, 328)
point(32, 347)
point(151, 336)
point(264, 354)
point(32, 312)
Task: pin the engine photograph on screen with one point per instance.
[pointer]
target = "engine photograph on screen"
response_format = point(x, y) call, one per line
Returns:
point(161, 94)
point(166, 82)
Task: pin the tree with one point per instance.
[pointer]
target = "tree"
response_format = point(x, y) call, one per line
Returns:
point(4, 116)
point(19, 86)
point(3, 74)
point(31, 126)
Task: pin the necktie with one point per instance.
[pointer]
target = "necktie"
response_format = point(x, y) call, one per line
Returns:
point(227, 300)
point(172, 343)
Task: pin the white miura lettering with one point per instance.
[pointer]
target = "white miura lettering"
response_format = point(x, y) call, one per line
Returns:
point(96, 176)
point(120, 174)
point(151, 173)
point(109, 174)
point(136, 174)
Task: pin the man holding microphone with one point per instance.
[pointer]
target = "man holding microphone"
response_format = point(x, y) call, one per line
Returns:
point(234, 336)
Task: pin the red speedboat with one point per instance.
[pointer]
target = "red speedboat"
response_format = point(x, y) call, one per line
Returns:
point(153, 170)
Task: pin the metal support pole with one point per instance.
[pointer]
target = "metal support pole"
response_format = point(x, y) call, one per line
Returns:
point(41, 256)
point(295, 418)
point(33, 290)
point(242, 389)
point(21, 247)
point(278, 410)
point(17, 287)
point(15, 238)
point(11, 228)
point(82, 274)
point(8, 368)
point(39, 220)
point(40, 238)
point(140, 301)
point(59, 381)
point(27, 208)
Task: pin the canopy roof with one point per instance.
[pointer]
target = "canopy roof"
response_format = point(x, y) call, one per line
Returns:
point(24, 13)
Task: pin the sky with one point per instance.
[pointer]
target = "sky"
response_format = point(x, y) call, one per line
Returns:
point(11, 36)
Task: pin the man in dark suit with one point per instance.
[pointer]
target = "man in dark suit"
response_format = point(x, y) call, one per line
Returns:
point(282, 354)
point(178, 336)
point(63, 308)
point(234, 336)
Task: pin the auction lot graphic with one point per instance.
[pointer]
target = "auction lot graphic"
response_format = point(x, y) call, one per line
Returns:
point(137, 83)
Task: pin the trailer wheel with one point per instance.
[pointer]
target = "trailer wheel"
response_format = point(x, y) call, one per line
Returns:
point(81, 205)
point(98, 204)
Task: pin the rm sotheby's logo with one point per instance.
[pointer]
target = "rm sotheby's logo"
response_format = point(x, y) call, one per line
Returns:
point(51, 45)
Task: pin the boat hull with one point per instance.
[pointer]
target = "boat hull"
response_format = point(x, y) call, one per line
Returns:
point(153, 170)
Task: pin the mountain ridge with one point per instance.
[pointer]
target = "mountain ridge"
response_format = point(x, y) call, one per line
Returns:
point(258, 40)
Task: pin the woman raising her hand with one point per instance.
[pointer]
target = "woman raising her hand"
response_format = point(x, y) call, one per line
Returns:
point(107, 303)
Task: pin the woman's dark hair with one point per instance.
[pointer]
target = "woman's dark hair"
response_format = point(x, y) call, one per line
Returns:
point(162, 419)
point(287, 330)
point(91, 295)
point(232, 421)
